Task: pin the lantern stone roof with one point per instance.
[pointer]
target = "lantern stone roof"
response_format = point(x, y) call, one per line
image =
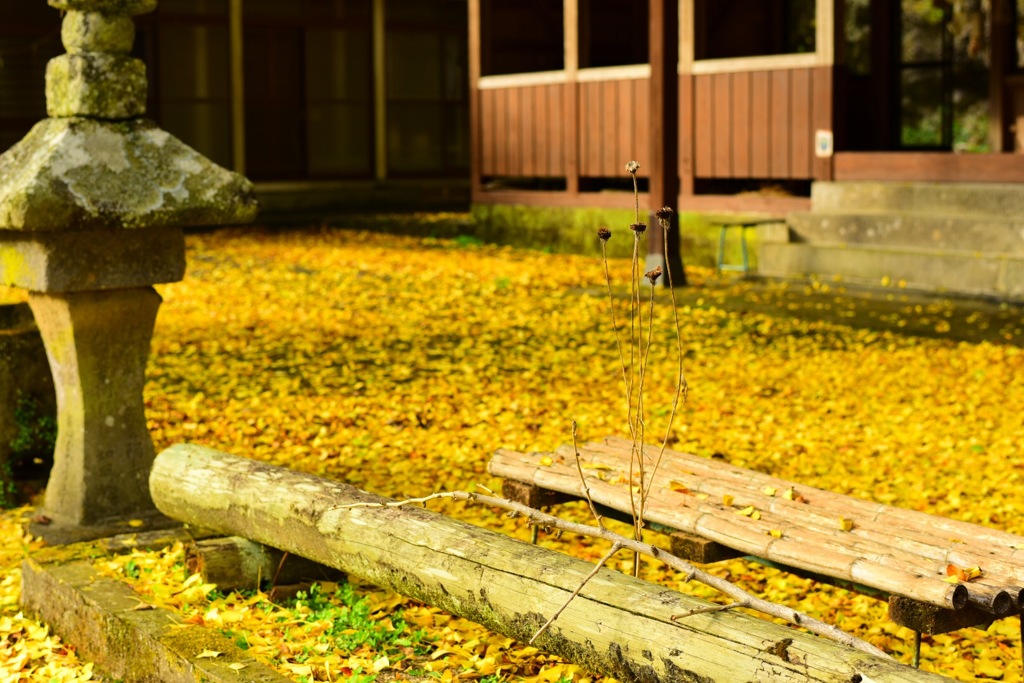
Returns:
point(81, 174)
point(97, 163)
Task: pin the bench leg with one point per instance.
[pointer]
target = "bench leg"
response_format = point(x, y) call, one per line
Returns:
point(917, 650)
point(721, 247)
point(743, 248)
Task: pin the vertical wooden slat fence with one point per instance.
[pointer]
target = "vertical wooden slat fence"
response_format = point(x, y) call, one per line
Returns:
point(613, 115)
point(760, 124)
point(522, 131)
point(525, 130)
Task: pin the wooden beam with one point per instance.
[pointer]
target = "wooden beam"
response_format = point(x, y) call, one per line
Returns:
point(1002, 62)
point(940, 167)
point(617, 625)
point(475, 124)
point(663, 126)
point(380, 93)
point(825, 32)
point(237, 86)
point(571, 141)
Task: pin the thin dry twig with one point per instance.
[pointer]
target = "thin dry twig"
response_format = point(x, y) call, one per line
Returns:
point(707, 610)
point(604, 234)
point(682, 388)
point(597, 567)
point(583, 479)
point(542, 519)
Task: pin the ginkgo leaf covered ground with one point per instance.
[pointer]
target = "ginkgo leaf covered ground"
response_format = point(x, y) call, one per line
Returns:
point(399, 365)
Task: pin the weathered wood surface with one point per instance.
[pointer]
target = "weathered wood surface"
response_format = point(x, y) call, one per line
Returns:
point(235, 563)
point(901, 552)
point(618, 625)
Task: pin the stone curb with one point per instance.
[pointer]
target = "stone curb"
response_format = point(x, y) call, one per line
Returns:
point(101, 618)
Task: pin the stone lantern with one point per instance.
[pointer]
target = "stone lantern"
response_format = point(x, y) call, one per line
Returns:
point(92, 205)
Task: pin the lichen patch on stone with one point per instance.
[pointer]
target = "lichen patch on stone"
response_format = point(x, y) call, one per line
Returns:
point(82, 174)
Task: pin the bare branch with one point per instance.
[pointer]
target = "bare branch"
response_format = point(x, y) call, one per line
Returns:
point(538, 518)
point(597, 567)
point(583, 479)
point(707, 610)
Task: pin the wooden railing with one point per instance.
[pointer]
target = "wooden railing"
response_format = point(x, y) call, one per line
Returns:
point(526, 126)
point(760, 123)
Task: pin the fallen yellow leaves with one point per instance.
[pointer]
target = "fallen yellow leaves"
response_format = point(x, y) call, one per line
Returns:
point(749, 511)
point(398, 365)
point(957, 574)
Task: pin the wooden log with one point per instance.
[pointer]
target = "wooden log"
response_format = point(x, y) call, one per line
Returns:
point(234, 563)
point(617, 625)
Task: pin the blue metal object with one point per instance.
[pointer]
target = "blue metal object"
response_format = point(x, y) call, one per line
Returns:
point(745, 266)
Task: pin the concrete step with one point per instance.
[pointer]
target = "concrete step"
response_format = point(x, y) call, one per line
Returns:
point(989, 275)
point(977, 200)
point(915, 231)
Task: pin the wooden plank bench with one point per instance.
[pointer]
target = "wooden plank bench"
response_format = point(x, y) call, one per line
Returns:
point(715, 511)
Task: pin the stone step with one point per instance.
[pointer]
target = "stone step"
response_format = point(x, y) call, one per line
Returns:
point(989, 275)
point(914, 231)
point(978, 200)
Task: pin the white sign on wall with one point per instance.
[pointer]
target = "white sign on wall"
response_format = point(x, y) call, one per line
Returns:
point(823, 146)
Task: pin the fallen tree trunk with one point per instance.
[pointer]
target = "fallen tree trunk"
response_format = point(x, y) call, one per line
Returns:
point(617, 625)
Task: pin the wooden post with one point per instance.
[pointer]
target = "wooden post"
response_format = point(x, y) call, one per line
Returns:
point(617, 625)
point(663, 54)
point(475, 133)
point(237, 87)
point(684, 129)
point(1001, 62)
point(380, 94)
point(570, 27)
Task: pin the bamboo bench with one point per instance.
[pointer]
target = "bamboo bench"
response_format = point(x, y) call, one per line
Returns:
point(715, 511)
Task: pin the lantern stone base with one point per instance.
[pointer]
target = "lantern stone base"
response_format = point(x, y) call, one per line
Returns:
point(97, 343)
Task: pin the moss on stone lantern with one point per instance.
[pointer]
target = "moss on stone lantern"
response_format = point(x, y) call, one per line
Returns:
point(92, 205)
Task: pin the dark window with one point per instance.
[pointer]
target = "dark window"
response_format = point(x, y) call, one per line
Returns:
point(750, 28)
point(520, 36)
point(308, 89)
point(29, 38)
point(943, 76)
point(857, 32)
point(189, 73)
point(612, 33)
point(427, 83)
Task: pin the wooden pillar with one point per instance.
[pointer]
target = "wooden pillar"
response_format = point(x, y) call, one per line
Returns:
point(475, 133)
point(1002, 61)
point(663, 55)
point(380, 94)
point(828, 48)
point(685, 127)
point(570, 28)
point(237, 87)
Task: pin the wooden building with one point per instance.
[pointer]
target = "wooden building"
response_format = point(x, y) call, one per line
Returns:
point(740, 104)
point(727, 104)
point(337, 101)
